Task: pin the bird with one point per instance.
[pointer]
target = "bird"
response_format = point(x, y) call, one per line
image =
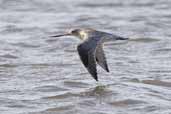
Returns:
point(90, 50)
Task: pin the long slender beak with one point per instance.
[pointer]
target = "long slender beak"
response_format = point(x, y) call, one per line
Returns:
point(60, 35)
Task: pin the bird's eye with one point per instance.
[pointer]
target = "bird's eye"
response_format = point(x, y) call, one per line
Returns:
point(74, 31)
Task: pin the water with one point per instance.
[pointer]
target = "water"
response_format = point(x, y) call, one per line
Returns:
point(41, 75)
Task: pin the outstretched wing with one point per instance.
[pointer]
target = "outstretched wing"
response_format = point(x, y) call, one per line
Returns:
point(100, 57)
point(86, 51)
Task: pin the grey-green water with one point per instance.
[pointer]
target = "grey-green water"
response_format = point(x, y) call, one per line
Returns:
point(41, 75)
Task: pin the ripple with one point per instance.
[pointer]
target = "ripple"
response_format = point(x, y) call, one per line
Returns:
point(11, 29)
point(70, 50)
point(126, 102)
point(150, 108)
point(8, 65)
point(136, 80)
point(75, 84)
point(87, 102)
point(163, 50)
point(61, 108)
point(51, 40)
point(161, 71)
point(98, 91)
point(158, 96)
point(26, 45)
point(94, 5)
point(157, 83)
point(152, 82)
point(27, 65)
point(49, 89)
point(62, 96)
point(144, 40)
point(10, 56)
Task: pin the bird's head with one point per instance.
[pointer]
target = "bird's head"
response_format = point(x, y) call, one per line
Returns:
point(80, 33)
point(75, 32)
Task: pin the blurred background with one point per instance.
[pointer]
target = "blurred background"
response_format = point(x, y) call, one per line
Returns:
point(41, 75)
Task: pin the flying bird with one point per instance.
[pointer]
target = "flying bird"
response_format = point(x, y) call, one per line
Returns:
point(91, 49)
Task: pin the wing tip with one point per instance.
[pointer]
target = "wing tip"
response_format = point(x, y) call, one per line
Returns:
point(107, 69)
point(96, 77)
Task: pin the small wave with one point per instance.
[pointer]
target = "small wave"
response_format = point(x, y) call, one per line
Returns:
point(163, 50)
point(144, 40)
point(75, 84)
point(157, 83)
point(26, 45)
point(11, 29)
point(152, 82)
point(49, 89)
point(126, 102)
point(9, 56)
point(8, 65)
point(107, 5)
point(62, 96)
point(61, 108)
point(160, 71)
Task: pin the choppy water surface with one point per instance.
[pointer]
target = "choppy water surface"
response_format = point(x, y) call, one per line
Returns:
point(41, 75)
